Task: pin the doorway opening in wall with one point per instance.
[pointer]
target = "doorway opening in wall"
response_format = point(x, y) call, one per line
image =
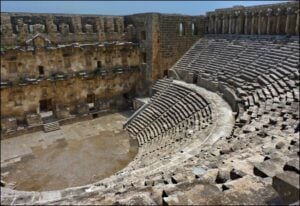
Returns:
point(195, 79)
point(99, 64)
point(90, 99)
point(45, 105)
point(41, 70)
point(143, 35)
point(126, 96)
point(144, 57)
point(166, 73)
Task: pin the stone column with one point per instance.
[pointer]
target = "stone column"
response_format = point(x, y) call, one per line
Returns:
point(239, 27)
point(98, 24)
point(297, 22)
point(269, 16)
point(280, 21)
point(254, 23)
point(258, 23)
point(77, 26)
point(225, 24)
point(220, 24)
point(216, 24)
point(6, 25)
point(211, 24)
point(288, 19)
point(233, 23)
point(246, 22)
point(278, 15)
point(261, 23)
point(230, 24)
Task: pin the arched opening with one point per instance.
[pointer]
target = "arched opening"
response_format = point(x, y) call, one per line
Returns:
point(194, 29)
point(181, 29)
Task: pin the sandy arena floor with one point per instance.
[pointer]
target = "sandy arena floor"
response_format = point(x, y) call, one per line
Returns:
point(78, 154)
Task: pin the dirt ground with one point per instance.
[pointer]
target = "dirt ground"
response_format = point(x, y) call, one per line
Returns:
point(78, 154)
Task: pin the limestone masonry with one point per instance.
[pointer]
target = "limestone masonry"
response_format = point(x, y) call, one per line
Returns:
point(216, 99)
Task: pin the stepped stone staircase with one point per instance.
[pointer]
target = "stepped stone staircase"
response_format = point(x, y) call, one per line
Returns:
point(50, 123)
point(51, 126)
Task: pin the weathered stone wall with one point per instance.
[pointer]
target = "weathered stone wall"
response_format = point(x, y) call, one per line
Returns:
point(61, 28)
point(160, 39)
point(34, 62)
point(274, 19)
point(17, 101)
point(142, 29)
point(172, 44)
point(68, 77)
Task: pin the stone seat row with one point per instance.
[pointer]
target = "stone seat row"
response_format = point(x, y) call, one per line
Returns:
point(166, 124)
point(175, 107)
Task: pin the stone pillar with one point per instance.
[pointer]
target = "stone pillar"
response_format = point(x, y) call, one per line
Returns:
point(269, 21)
point(254, 23)
point(98, 24)
point(278, 15)
point(233, 24)
point(258, 23)
point(246, 22)
point(220, 24)
point(239, 28)
point(77, 26)
point(6, 25)
point(230, 24)
point(216, 24)
point(261, 23)
point(280, 21)
point(51, 27)
point(224, 24)
point(22, 29)
point(211, 25)
point(292, 24)
point(288, 19)
point(297, 22)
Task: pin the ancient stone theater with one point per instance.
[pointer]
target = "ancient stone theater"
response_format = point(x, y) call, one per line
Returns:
point(151, 108)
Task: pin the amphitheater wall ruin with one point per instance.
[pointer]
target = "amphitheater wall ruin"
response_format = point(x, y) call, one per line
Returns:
point(64, 61)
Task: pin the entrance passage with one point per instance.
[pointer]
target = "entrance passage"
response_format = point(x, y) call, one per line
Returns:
point(45, 105)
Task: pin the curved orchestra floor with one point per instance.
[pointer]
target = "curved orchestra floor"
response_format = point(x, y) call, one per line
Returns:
point(78, 154)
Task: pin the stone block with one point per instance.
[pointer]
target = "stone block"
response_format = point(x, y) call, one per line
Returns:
point(287, 186)
point(292, 165)
point(268, 168)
